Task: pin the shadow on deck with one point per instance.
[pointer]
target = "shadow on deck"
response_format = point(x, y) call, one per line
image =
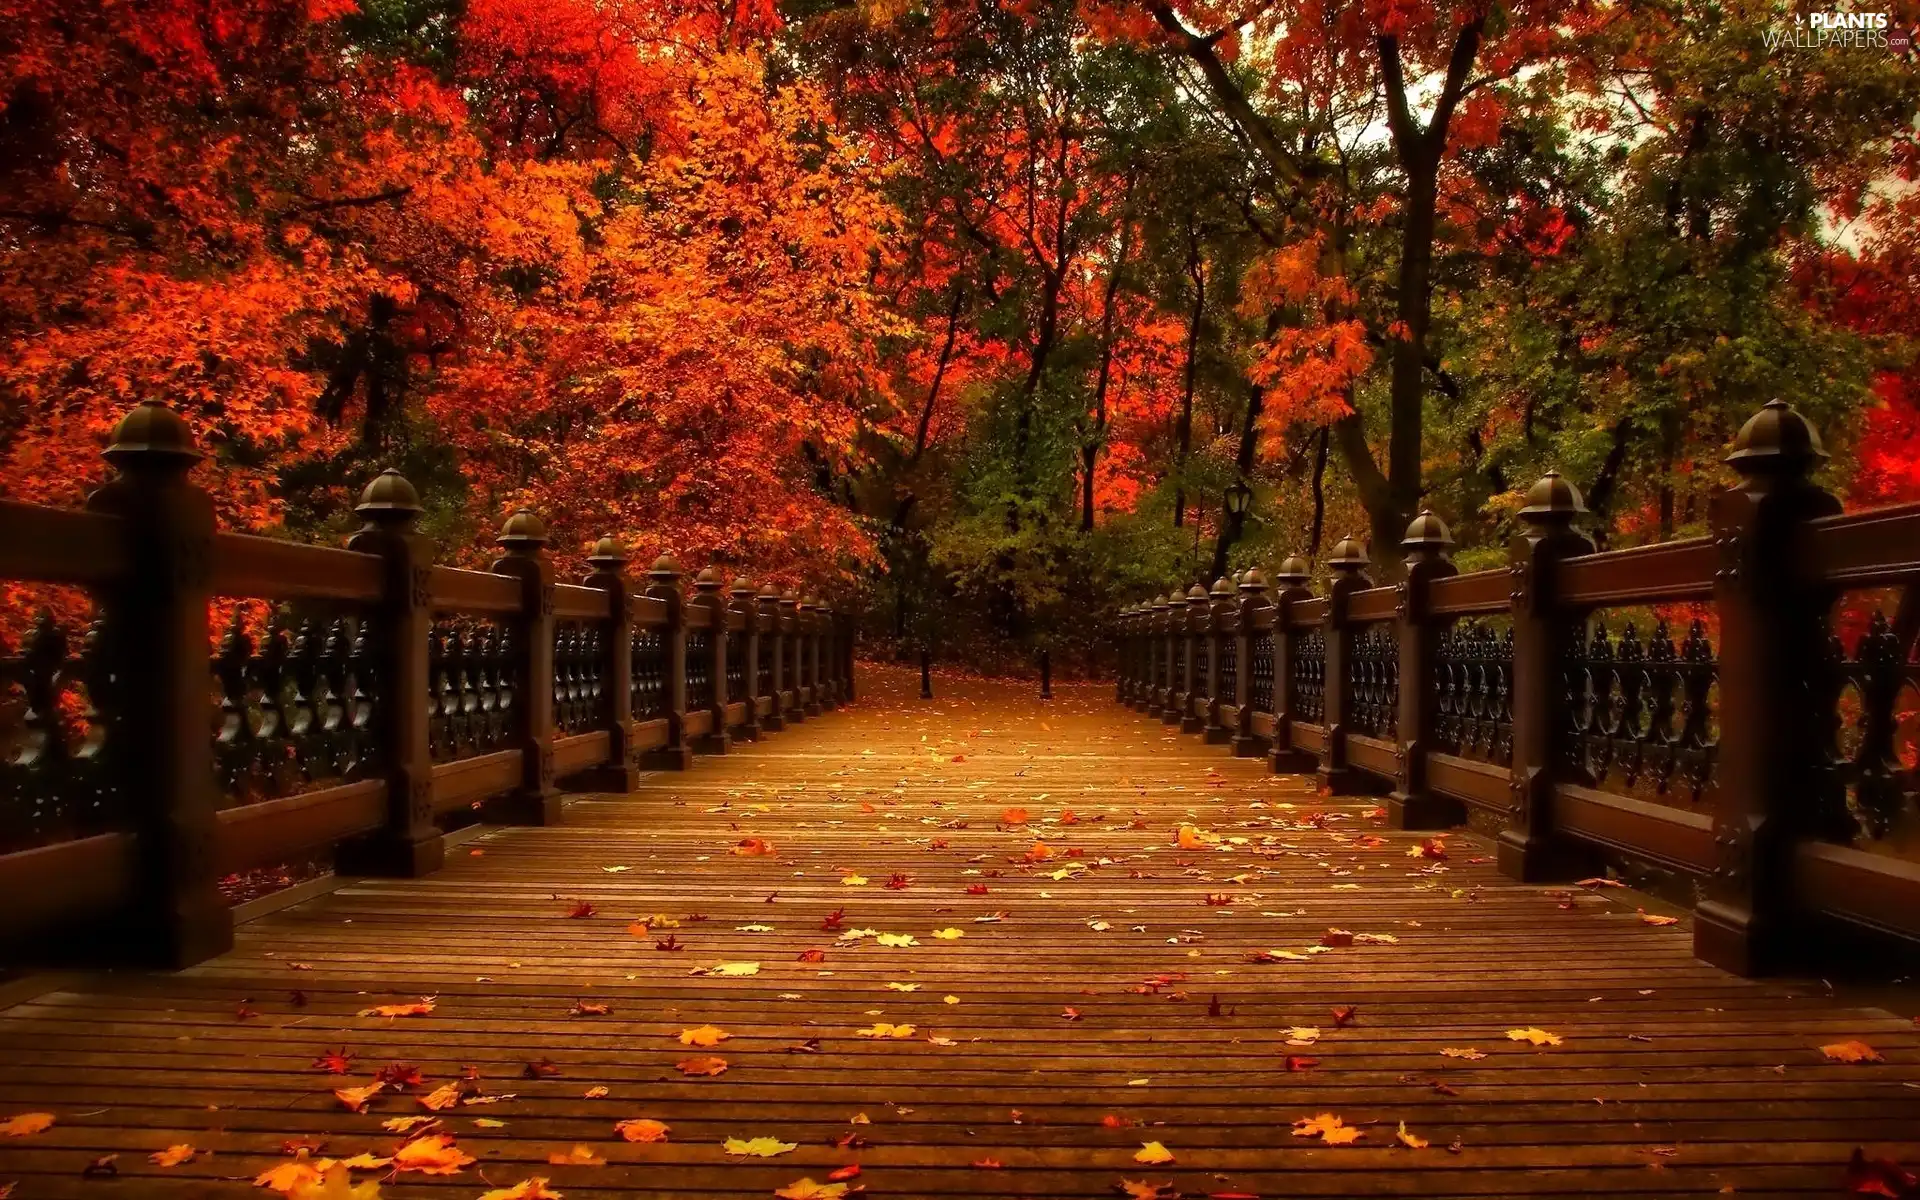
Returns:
point(966, 945)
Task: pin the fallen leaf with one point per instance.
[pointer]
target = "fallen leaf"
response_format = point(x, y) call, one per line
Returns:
point(807, 1189)
point(1410, 1140)
point(701, 1066)
point(1140, 1189)
point(760, 1147)
point(1152, 1153)
point(1469, 1053)
point(526, 1189)
point(1880, 1177)
point(335, 1184)
point(172, 1156)
point(706, 1037)
point(1538, 1037)
point(441, 1097)
point(26, 1124)
point(730, 969)
point(1647, 918)
point(595, 1093)
point(1328, 1128)
point(356, 1098)
point(579, 1156)
point(581, 909)
point(434, 1154)
point(1852, 1052)
point(589, 1008)
point(949, 935)
point(883, 1029)
point(642, 1129)
point(419, 1008)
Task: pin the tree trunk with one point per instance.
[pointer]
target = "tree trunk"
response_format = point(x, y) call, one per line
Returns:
point(1319, 496)
point(1196, 270)
point(1090, 450)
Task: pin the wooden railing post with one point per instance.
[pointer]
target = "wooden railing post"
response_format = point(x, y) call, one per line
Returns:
point(749, 614)
point(1410, 805)
point(621, 773)
point(1195, 626)
point(157, 640)
point(1285, 757)
point(409, 844)
point(1164, 647)
point(1349, 567)
point(1123, 643)
point(523, 541)
point(706, 588)
point(773, 635)
point(1528, 849)
point(819, 700)
point(1772, 632)
point(1255, 615)
point(796, 640)
point(1223, 622)
point(848, 632)
point(664, 585)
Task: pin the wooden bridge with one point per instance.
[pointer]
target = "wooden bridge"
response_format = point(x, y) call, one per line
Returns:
point(634, 897)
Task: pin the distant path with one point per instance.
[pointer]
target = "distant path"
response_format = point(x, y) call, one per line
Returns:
point(1081, 1017)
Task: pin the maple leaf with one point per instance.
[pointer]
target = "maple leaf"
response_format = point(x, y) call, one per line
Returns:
point(987, 1164)
point(850, 1171)
point(729, 969)
point(172, 1156)
point(899, 882)
point(759, 1147)
point(589, 1008)
point(1328, 1128)
point(832, 922)
point(1113, 1121)
point(580, 909)
point(1014, 816)
point(671, 943)
point(355, 1099)
point(1538, 1037)
point(1411, 1141)
point(706, 1037)
point(527, 1189)
point(400, 1076)
point(1218, 899)
point(812, 956)
point(1139, 1189)
point(883, 1029)
point(597, 1092)
point(1453, 1052)
point(897, 939)
point(441, 1098)
point(289, 1175)
point(418, 1008)
point(1336, 937)
point(1600, 881)
point(642, 1129)
point(407, 1124)
point(1300, 1062)
point(1152, 1154)
point(578, 1156)
point(434, 1154)
point(807, 1189)
point(334, 1062)
point(1302, 1035)
point(541, 1069)
point(26, 1124)
point(701, 1066)
point(752, 847)
point(1852, 1052)
point(1647, 918)
point(334, 1184)
point(1344, 1015)
point(949, 934)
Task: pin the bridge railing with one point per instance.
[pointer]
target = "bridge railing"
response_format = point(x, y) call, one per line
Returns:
point(1739, 712)
point(204, 703)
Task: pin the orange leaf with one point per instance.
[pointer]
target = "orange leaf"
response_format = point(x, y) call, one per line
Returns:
point(642, 1129)
point(1852, 1052)
point(701, 1066)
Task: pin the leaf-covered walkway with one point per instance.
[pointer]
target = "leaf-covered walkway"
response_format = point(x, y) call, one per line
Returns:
point(978, 946)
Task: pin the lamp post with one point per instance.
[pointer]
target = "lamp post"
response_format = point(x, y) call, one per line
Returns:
point(1239, 500)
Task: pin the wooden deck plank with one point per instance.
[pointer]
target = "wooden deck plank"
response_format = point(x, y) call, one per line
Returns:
point(1673, 1079)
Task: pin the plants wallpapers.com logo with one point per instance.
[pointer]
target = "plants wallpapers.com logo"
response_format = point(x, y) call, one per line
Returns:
point(1840, 31)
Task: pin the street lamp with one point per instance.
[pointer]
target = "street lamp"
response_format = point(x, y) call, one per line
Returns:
point(1239, 498)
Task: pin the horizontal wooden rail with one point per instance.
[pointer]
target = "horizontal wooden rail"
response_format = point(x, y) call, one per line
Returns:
point(383, 693)
point(1724, 709)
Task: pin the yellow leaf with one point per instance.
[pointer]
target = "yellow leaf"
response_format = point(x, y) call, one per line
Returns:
point(1647, 918)
point(1152, 1153)
point(336, 1184)
point(441, 1097)
point(897, 939)
point(405, 1124)
point(903, 987)
point(855, 880)
point(642, 1129)
point(356, 1098)
point(1470, 1054)
point(1302, 1035)
point(434, 1154)
point(882, 1029)
point(526, 1189)
point(172, 1156)
point(706, 1037)
point(760, 1147)
point(289, 1175)
point(732, 968)
point(1538, 1037)
point(950, 934)
point(1852, 1052)
point(949, 999)
point(1409, 1140)
point(366, 1160)
point(26, 1124)
point(488, 1123)
point(807, 1189)
point(595, 1093)
point(418, 1008)
point(1328, 1128)
point(579, 1156)
point(708, 1065)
